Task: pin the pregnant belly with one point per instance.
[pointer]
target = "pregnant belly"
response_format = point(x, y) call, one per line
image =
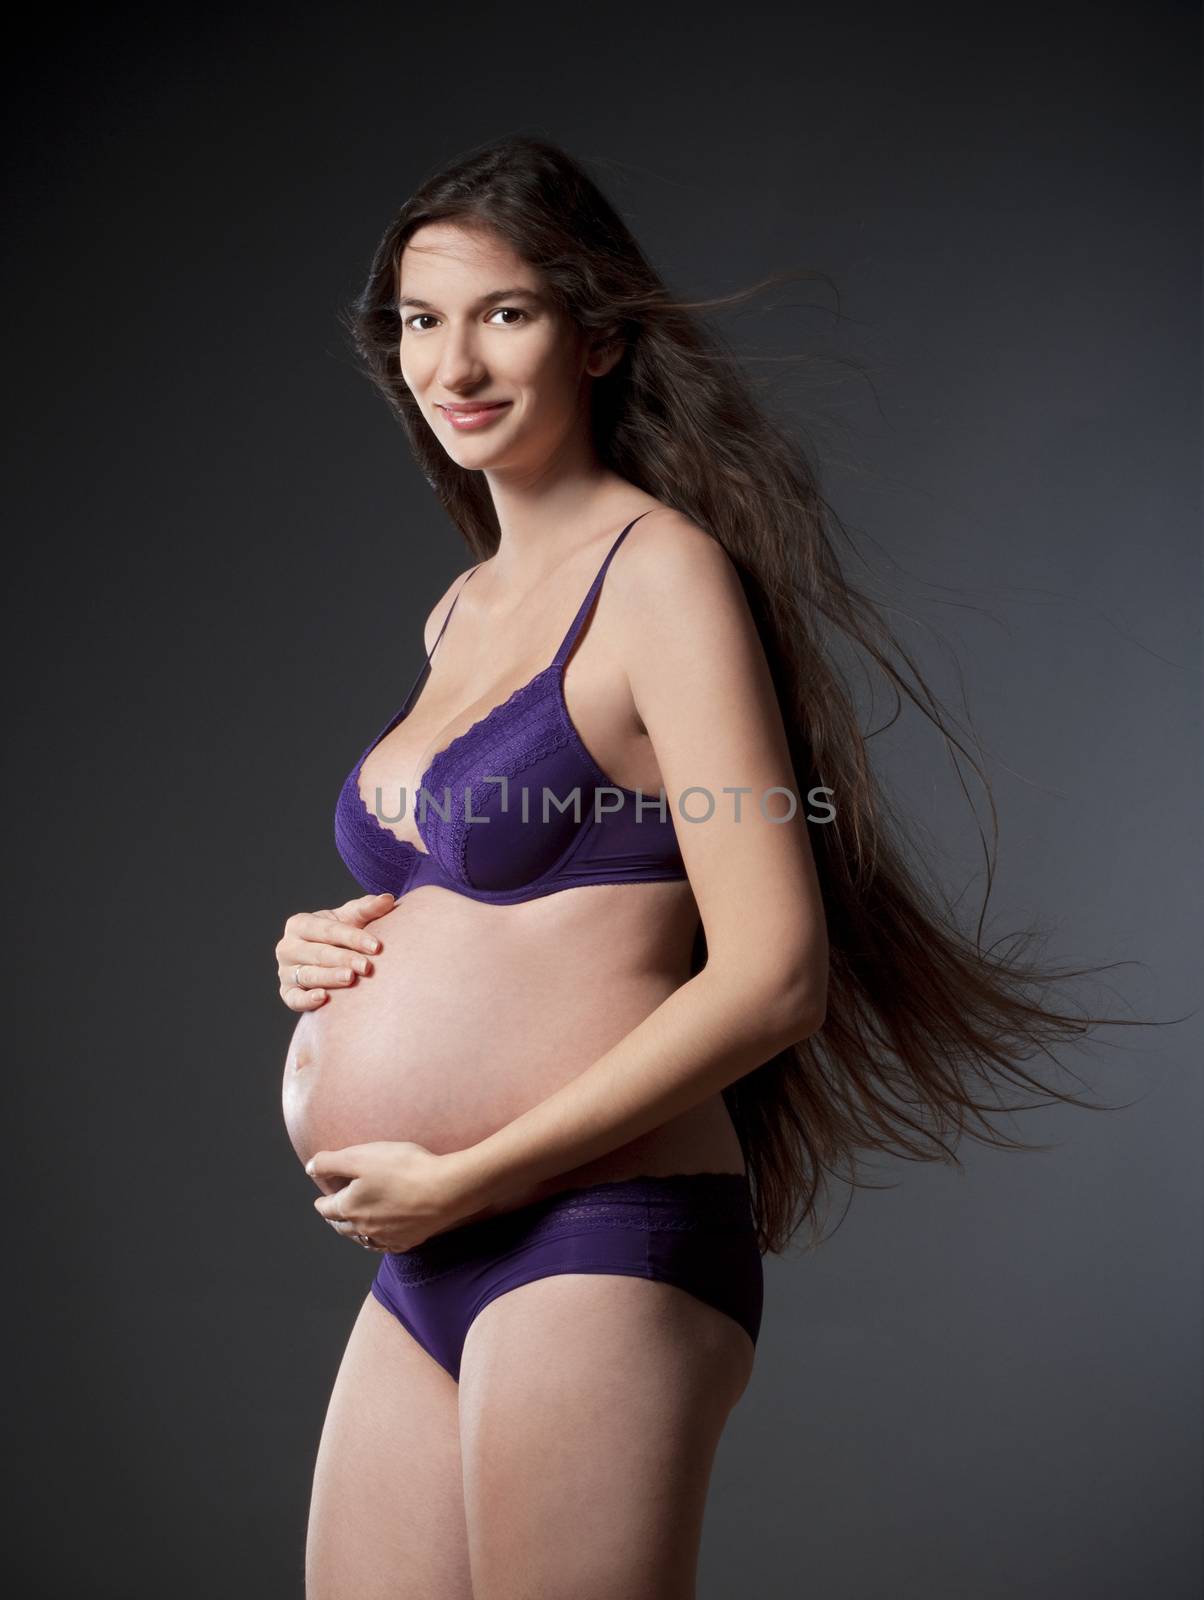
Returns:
point(473, 1013)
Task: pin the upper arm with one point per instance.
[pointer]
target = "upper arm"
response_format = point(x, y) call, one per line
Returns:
point(703, 690)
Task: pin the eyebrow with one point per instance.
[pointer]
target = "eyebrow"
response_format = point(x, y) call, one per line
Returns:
point(485, 300)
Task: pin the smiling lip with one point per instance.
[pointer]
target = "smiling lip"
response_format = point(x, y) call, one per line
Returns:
point(473, 416)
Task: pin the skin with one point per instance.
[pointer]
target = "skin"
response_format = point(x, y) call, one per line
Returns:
point(420, 1099)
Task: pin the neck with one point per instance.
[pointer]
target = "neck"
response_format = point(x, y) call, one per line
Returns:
point(545, 519)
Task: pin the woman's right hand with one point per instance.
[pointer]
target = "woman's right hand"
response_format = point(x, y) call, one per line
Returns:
point(323, 950)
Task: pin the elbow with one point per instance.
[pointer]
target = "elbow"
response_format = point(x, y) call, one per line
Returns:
point(782, 1002)
point(792, 1008)
point(803, 1012)
point(805, 992)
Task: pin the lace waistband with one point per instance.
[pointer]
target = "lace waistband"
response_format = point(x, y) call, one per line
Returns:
point(676, 1202)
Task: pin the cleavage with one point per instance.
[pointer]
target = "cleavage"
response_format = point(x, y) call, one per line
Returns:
point(385, 775)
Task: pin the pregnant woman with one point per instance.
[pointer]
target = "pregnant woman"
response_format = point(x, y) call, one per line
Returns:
point(576, 1062)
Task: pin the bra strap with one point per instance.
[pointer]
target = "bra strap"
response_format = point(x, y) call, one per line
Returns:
point(425, 667)
point(570, 637)
point(450, 609)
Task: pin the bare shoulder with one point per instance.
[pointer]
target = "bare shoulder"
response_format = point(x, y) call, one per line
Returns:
point(670, 567)
point(439, 611)
point(683, 622)
point(665, 545)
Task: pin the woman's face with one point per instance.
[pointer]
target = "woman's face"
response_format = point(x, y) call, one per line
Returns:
point(476, 327)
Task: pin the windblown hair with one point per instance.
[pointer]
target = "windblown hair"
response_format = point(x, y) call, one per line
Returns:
point(924, 1024)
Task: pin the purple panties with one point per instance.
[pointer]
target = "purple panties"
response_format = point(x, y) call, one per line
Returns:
point(693, 1229)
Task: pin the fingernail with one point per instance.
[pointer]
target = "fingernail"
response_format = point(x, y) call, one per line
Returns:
point(309, 1166)
point(374, 945)
point(360, 964)
point(318, 994)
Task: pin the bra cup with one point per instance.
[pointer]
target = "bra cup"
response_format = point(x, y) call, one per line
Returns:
point(528, 742)
point(515, 845)
point(435, 833)
point(368, 849)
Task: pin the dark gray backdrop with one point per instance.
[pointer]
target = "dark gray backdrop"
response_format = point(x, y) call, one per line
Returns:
point(987, 1382)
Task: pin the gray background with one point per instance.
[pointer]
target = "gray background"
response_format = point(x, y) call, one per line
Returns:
point(987, 1381)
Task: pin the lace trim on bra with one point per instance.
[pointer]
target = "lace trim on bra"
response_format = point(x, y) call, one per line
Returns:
point(686, 1202)
point(534, 730)
point(359, 831)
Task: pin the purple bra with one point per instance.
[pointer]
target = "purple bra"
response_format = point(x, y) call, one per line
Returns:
point(554, 818)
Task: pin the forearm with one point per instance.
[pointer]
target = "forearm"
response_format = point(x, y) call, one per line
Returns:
point(704, 1036)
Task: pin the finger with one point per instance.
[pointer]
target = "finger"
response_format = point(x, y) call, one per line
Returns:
point(303, 999)
point(365, 909)
point(319, 966)
point(333, 1164)
point(359, 1236)
point(326, 928)
point(345, 924)
point(355, 1227)
point(332, 1185)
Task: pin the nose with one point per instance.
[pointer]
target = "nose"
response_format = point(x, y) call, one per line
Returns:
point(460, 365)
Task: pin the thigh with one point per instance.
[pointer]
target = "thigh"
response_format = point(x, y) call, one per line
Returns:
point(387, 1513)
point(591, 1407)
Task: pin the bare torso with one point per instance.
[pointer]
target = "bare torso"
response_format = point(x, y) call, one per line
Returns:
point(474, 1012)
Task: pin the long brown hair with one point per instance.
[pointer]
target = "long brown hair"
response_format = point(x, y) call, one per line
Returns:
point(924, 1023)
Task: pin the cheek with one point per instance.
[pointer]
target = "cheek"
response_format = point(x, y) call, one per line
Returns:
point(416, 362)
point(551, 375)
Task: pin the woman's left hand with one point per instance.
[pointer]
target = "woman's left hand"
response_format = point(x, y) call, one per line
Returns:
point(387, 1196)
